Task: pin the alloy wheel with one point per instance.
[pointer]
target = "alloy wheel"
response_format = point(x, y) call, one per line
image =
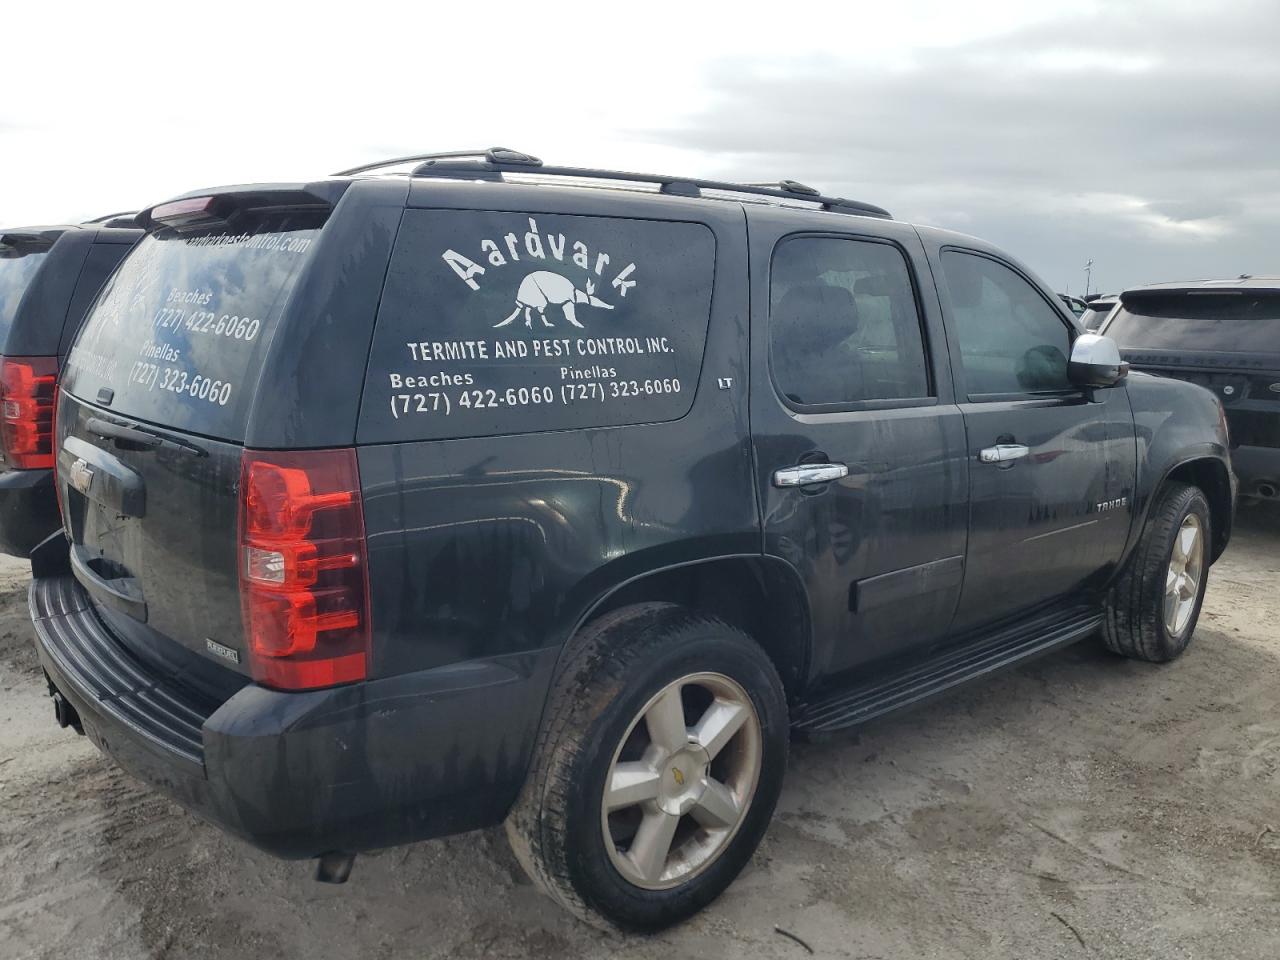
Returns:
point(1182, 582)
point(681, 781)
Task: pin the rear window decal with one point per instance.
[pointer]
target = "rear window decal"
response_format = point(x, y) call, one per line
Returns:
point(510, 323)
point(179, 333)
point(543, 288)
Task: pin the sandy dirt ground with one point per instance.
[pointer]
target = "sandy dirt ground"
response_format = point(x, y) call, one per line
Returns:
point(1082, 806)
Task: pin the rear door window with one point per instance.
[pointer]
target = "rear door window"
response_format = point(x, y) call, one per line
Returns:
point(17, 268)
point(1217, 322)
point(494, 323)
point(179, 333)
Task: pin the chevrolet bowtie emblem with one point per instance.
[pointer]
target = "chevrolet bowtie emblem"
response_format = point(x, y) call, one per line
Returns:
point(675, 772)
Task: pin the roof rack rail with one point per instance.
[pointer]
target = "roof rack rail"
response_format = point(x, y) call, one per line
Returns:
point(496, 161)
point(491, 155)
point(125, 218)
point(112, 216)
point(789, 186)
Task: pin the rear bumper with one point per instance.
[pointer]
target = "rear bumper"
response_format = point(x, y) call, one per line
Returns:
point(28, 510)
point(1257, 468)
point(299, 774)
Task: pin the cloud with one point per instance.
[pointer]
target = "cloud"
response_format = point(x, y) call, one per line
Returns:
point(1138, 134)
point(1191, 211)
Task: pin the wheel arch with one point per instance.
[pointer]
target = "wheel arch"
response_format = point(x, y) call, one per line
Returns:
point(1213, 478)
point(763, 596)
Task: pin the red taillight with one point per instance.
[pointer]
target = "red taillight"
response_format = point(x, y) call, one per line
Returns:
point(57, 484)
point(304, 591)
point(26, 411)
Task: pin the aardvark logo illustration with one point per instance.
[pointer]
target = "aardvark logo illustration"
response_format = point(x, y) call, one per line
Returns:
point(541, 289)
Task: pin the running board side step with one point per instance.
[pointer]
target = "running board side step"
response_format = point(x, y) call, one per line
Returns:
point(944, 670)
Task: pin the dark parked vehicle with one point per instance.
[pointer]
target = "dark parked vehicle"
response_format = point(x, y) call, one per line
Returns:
point(1097, 311)
point(1074, 304)
point(1225, 336)
point(48, 277)
point(402, 505)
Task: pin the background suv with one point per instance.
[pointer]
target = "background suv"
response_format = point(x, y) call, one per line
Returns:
point(1225, 336)
point(1099, 307)
point(48, 277)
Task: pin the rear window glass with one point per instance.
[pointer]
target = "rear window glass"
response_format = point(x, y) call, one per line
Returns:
point(102, 259)
point(17, 269)
point(1211, 322)
point(1093, 317)
point(495, 323)
point(180, 331)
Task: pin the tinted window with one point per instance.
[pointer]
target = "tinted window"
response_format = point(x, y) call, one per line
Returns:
point(17, 268)
point(102, 259)
point(1097, 312)
point(843, 323)
point(1011, 340)
point(1078, 307)
point(179, 332)
point(496, 323)
point(1222, 322)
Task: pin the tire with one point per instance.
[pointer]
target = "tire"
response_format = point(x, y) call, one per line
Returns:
point(1137, 623)
point(613, 672)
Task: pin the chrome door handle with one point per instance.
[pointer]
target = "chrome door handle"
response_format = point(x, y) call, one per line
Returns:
point(1003, 453)
point(808, 473)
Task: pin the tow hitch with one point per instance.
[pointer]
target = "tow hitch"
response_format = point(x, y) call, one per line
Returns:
point(66, 714)
point(63, 711)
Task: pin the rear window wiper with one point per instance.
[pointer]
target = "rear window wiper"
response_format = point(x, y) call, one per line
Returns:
point(141, 437)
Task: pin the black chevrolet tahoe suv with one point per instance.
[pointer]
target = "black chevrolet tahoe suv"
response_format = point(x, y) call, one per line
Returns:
point(1225, 336)
point(402, 504)
point(48, 277)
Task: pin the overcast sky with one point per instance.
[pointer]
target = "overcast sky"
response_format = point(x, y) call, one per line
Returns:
point(1143, 135)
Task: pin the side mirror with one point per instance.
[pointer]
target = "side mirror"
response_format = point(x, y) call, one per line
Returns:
point(1095, 362)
